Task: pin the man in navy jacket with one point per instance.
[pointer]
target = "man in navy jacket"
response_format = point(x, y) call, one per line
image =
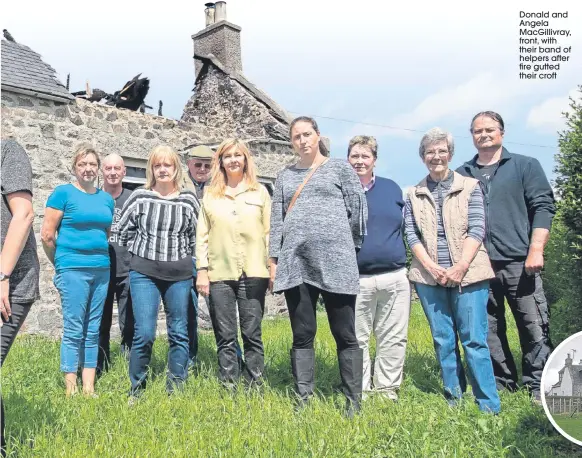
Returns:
point(519, 208)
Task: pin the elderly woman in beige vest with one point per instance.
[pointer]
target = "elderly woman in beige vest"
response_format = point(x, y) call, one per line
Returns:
point(445, 227)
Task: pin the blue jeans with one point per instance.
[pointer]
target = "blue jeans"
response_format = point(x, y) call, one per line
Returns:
point(146, 293)
point(83, 293)
point(451, 313)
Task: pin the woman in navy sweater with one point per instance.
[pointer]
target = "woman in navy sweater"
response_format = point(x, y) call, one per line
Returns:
point(383, 305)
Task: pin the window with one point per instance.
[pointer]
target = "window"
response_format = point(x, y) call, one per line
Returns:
point(135, 175)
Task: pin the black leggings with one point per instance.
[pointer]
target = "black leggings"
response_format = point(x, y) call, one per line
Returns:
point(301, 302)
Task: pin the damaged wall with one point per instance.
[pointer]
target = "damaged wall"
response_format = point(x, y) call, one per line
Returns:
point(219, 101)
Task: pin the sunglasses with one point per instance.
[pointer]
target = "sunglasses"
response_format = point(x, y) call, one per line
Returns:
point(199, 165)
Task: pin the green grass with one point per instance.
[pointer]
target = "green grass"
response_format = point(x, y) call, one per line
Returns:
point(572, 426)
point(206, 420)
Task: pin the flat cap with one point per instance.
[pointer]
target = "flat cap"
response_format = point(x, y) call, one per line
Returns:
point(201, 152)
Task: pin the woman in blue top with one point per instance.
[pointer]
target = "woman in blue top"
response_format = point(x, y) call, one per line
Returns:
point(82, 215)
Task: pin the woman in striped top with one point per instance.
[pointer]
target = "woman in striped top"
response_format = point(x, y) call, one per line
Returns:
point(158, 223)
point(445, 225)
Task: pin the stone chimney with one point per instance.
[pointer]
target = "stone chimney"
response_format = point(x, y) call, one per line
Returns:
point(220, 38)
point(568, 360)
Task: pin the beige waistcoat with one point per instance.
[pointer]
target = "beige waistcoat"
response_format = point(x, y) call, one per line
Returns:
point(455, 220)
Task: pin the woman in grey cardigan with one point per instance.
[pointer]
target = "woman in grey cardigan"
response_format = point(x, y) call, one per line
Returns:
point(313, 251)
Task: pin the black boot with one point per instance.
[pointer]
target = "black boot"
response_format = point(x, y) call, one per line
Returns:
point(303, 368)
point(351, 365)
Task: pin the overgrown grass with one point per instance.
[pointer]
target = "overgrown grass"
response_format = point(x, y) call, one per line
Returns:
point(206, 420)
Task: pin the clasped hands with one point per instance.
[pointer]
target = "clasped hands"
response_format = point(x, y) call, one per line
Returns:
point(450, 277)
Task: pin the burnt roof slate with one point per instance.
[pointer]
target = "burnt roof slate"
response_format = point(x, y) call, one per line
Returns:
point(23, 68)
point(258, 94)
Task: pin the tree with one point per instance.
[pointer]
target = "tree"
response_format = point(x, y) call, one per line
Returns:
point(569, 170)
point(563, 271)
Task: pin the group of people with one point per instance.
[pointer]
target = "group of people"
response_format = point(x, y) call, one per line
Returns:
point(332, 228)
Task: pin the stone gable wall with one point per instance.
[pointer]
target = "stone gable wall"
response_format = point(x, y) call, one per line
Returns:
point(219, 101)
point(49, 132)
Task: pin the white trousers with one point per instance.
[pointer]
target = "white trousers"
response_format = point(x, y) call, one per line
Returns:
point(383, 307)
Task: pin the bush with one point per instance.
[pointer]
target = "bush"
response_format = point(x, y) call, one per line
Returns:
point(563, 272)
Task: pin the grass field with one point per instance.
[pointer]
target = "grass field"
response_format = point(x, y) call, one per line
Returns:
point(207, 421)
point(572, 426)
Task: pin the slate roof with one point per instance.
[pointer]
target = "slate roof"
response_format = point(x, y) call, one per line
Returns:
point(22, 68)
point(575, 375)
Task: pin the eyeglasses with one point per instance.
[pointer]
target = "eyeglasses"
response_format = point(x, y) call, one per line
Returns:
point(199, 165)
point(439, 153)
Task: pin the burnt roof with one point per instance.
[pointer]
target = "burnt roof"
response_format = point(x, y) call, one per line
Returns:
point(258, 94)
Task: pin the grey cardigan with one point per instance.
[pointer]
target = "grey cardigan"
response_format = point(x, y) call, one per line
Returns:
point(316, 242)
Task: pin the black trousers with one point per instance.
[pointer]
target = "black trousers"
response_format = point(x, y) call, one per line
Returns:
point(8, 333)
point(525, 296)
point(302, 301)
point(249, 294)
point(118, 289)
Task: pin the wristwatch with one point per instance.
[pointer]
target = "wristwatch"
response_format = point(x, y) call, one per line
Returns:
point(4, 276)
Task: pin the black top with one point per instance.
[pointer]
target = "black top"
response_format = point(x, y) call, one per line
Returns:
point(518, 199)
point(163, 270)
point(119, 255)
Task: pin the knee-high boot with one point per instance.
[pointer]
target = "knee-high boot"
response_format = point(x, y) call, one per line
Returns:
point(351, 364)
point(303, 369)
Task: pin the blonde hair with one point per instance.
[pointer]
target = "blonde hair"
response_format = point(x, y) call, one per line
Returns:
point(218, 178)
point(158, 154)
point(82, 150)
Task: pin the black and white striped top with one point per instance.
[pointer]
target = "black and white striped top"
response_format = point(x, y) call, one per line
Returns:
point(159, 229)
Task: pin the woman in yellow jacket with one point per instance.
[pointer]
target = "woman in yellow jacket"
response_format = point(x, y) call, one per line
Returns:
point(231, 258)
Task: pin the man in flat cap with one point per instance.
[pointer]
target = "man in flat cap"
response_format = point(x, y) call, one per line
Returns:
point(198, 162)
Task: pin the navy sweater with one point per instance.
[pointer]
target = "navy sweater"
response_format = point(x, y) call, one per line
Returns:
point(383, 247)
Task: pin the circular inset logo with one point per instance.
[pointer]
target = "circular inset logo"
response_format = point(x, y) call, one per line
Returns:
point(562, 388)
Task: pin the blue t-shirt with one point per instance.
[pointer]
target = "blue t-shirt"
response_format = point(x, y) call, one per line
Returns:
point(82, 234)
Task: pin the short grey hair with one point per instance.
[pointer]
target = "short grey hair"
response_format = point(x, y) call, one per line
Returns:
point(436, 135)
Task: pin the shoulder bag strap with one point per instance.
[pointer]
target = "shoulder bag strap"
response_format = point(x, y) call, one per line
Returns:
point(302, 185)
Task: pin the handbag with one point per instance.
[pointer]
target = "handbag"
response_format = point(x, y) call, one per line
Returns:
point(302, 185)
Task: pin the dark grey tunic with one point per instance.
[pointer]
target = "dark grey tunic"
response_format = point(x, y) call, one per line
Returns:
point(316, 242)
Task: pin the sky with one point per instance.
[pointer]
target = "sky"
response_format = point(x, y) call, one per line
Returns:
point(392, 71)
point(573, 346)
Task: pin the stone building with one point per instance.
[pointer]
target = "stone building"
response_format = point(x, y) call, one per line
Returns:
point(48, 122)
point(570, 382)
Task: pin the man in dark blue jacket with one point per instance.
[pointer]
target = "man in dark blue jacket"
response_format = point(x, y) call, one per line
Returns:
point(519, 206)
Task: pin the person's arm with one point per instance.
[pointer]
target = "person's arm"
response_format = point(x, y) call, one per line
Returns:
point(48, 233)
point(194, 225)
point(474, 239)
point(540, 202)
point(17, 190)
point(355, 202)
point(418, 250)
point(276, 229)
point(20, 205)
point(267, 227)
point(267, 220)
point(127, 224)
point(202, 236)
